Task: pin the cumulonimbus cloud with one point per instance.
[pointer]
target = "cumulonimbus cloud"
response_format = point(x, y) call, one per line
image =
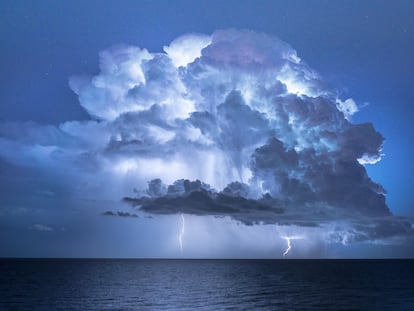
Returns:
point(238, 111)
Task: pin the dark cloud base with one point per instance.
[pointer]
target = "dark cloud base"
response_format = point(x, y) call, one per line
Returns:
point(197, 198)
point(120, 214)
point(201, 203)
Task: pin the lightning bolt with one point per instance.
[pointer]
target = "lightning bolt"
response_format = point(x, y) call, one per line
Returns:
point(289, 246)
point(180, 237)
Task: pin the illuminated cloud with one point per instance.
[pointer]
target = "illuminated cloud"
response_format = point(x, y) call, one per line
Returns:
point(239, 111)
point(347, 107)
point(187, 48)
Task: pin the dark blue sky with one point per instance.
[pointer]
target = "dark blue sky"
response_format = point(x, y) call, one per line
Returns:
point(363, 49)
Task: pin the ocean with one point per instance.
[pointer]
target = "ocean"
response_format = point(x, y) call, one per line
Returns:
point(166, 284)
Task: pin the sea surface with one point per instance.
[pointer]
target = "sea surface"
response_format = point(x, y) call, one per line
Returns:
point(152, 284)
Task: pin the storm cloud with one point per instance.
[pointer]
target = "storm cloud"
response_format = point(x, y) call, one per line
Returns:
point(235, 124)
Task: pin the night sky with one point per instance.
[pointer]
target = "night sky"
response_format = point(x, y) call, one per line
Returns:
point(264, 102)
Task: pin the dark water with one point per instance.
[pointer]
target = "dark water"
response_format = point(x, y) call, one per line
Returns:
point(206, 284)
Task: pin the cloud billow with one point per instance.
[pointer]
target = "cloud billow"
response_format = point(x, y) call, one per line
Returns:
point(238, 111)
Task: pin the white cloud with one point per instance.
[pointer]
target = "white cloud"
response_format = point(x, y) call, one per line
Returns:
point(40, 227)
point(348, 107)
point(233, 106)
point(185, 49)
